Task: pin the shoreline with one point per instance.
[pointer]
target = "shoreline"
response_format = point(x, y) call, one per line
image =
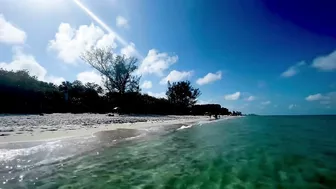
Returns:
point(66, 132)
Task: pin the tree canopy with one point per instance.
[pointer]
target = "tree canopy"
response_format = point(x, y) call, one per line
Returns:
point(118, 71)
point(23, 93)
point(182, 93)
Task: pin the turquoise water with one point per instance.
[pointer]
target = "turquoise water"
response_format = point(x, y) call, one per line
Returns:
point(249, 152)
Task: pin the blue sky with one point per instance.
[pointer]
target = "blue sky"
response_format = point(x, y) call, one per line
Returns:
point(265, 57)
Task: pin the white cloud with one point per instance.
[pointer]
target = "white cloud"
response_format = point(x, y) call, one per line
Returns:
point(293, 70)
point(90, 76)
point(325, 63)
point(327, 98)
point(292, 106)
point(250, 98)
point(234, 96)
point(22, 61)
point(157, 95)
point(107, 40)
point(10, 34)
point(146, 84)
point(315, 97)
point(266, 103)
point(129, 50)
point(175, 76)
point(156, 63)
point(70, 43)
point(122, 22)
point(209, 78)
point(200, 102)
point(55, 80)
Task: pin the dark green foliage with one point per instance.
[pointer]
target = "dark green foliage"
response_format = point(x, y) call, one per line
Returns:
point(22, 93)
point(210, 109)
point(182, 95)
point(137, 103)
point(236, 113)
point(81, 98)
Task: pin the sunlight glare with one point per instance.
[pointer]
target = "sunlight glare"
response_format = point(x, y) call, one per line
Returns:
point(102, 24)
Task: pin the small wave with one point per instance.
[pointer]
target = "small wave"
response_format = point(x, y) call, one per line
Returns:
point(185, 127)
point(134, 137)
point(152, 129)
point(53, 160)
point(216, 120)
point(11, 154)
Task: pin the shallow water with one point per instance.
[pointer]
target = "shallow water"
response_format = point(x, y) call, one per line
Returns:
point(250, 152)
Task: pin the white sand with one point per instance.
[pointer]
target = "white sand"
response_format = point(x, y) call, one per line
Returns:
point(26, 128)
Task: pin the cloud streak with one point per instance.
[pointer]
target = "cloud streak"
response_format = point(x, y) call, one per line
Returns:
point(175, 76)
point(291, 106)
point(122, 22)
point(315, 97)
point(327, 98)
point(146, 84)
point(325, 63)
point(266, 102)
point(157, 95)
point(293, 70)
point(250, 98)
point(234, 96)
point(209, 78)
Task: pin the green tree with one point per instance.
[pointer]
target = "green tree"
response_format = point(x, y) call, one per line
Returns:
point(94, 87)
point(20, 92)
point(118, 71)
point(182, 94)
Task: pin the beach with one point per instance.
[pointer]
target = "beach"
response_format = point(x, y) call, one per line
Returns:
point(25, 128)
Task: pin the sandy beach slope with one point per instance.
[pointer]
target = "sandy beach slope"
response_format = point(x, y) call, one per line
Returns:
point(24, 128)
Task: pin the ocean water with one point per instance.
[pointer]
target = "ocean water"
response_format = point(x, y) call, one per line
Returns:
point(248, 152)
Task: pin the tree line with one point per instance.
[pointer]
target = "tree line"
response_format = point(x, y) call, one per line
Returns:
point(22, 93)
